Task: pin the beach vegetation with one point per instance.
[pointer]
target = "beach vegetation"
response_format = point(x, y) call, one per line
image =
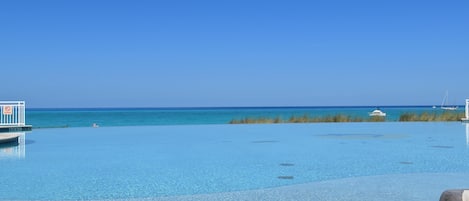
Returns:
point(405, 117)
point(425, 116)
point(377, 119)
point(303, 119)
point(252, 120)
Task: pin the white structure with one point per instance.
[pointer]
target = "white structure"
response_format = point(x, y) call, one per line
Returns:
point(12, 113)
point(378, 113)
point(466, 118)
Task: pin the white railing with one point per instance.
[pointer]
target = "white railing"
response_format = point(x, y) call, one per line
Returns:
point(12, 113)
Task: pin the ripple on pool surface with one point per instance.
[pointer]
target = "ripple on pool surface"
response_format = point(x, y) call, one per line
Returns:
point(363, 136)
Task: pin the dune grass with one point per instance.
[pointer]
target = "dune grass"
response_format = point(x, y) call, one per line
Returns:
point(305, 119)
point(445, 116)
point(425, 116)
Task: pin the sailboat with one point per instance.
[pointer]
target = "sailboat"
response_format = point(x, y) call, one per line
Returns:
point(444, 105)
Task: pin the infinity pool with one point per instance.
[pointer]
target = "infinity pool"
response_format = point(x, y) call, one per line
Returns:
point(322, 161)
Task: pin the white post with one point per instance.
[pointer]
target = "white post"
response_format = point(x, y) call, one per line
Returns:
point(467, 110)
point(21, 113)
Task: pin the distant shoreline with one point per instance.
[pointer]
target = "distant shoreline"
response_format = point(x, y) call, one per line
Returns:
point(105, 117)
point(225, 107)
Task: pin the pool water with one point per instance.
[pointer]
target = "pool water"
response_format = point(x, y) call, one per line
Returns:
point(177, 162)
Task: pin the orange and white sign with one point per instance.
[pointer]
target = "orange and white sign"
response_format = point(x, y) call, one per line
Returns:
point(7, 110)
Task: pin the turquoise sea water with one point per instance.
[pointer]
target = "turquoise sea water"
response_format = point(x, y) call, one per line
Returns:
point(191, 116)
point(192, 154)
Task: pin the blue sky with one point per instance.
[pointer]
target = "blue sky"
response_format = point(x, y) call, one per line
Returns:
point(233, 53)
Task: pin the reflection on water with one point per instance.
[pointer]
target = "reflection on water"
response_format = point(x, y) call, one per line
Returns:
point(467, 134)
point(14, 149)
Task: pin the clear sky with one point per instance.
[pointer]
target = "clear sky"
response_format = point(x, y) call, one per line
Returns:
point(173, 53)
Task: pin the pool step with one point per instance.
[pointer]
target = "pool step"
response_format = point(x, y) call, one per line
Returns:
point(8, 138)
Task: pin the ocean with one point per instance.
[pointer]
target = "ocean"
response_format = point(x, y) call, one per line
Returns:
point(86, 117)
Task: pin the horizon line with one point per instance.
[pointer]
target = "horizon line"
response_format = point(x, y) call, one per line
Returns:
point(234, 107)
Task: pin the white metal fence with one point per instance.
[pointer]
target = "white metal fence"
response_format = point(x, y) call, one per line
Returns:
point(12, 113)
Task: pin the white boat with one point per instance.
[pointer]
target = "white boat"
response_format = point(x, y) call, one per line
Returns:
point(377, 113)
point(449, 108)
point(444, 104)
